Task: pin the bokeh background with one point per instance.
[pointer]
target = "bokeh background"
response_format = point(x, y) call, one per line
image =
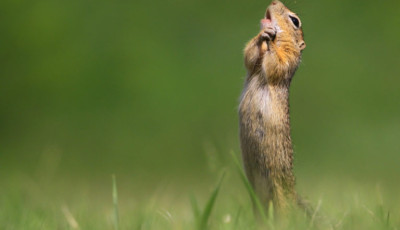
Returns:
point(149, 90)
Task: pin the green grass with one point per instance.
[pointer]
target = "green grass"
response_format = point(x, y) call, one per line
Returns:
point(228, 205)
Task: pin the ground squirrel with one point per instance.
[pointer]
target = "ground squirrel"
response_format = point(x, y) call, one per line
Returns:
point(271, 59)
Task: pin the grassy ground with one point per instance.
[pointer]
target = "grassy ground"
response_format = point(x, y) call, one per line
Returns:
point(220, 202)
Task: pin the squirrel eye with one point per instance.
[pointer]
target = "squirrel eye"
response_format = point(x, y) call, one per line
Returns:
point(295, 21)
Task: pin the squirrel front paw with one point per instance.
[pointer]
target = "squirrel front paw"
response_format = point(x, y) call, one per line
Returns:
point(268, 31)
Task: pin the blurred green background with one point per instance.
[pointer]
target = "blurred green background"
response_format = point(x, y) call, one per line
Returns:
point(149, 89)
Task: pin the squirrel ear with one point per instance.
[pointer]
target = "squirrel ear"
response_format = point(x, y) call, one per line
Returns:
point(302, 45)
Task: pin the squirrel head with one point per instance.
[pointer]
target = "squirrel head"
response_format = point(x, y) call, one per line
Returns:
point(286, 23)
point(287, 43)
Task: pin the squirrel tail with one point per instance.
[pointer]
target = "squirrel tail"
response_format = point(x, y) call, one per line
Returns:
point(314, 214)
point(305, 206)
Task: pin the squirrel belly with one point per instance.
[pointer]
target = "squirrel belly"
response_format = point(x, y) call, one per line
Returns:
point(271, 59)
point(265, 141)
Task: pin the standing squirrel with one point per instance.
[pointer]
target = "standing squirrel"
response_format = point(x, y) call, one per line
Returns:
point(271, 59)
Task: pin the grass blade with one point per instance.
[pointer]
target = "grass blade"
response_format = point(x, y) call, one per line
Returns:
point(210, 204)
point(250, 190)
point(271, 215)
point(195, 209)
point(115, 202)
point(270, 210)
point(313, 217)
point(73, 224)
point(236, 222)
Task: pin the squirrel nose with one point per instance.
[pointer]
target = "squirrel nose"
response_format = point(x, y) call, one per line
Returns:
point(274, 2)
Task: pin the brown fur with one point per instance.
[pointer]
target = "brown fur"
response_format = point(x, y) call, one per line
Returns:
point(271, 61)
